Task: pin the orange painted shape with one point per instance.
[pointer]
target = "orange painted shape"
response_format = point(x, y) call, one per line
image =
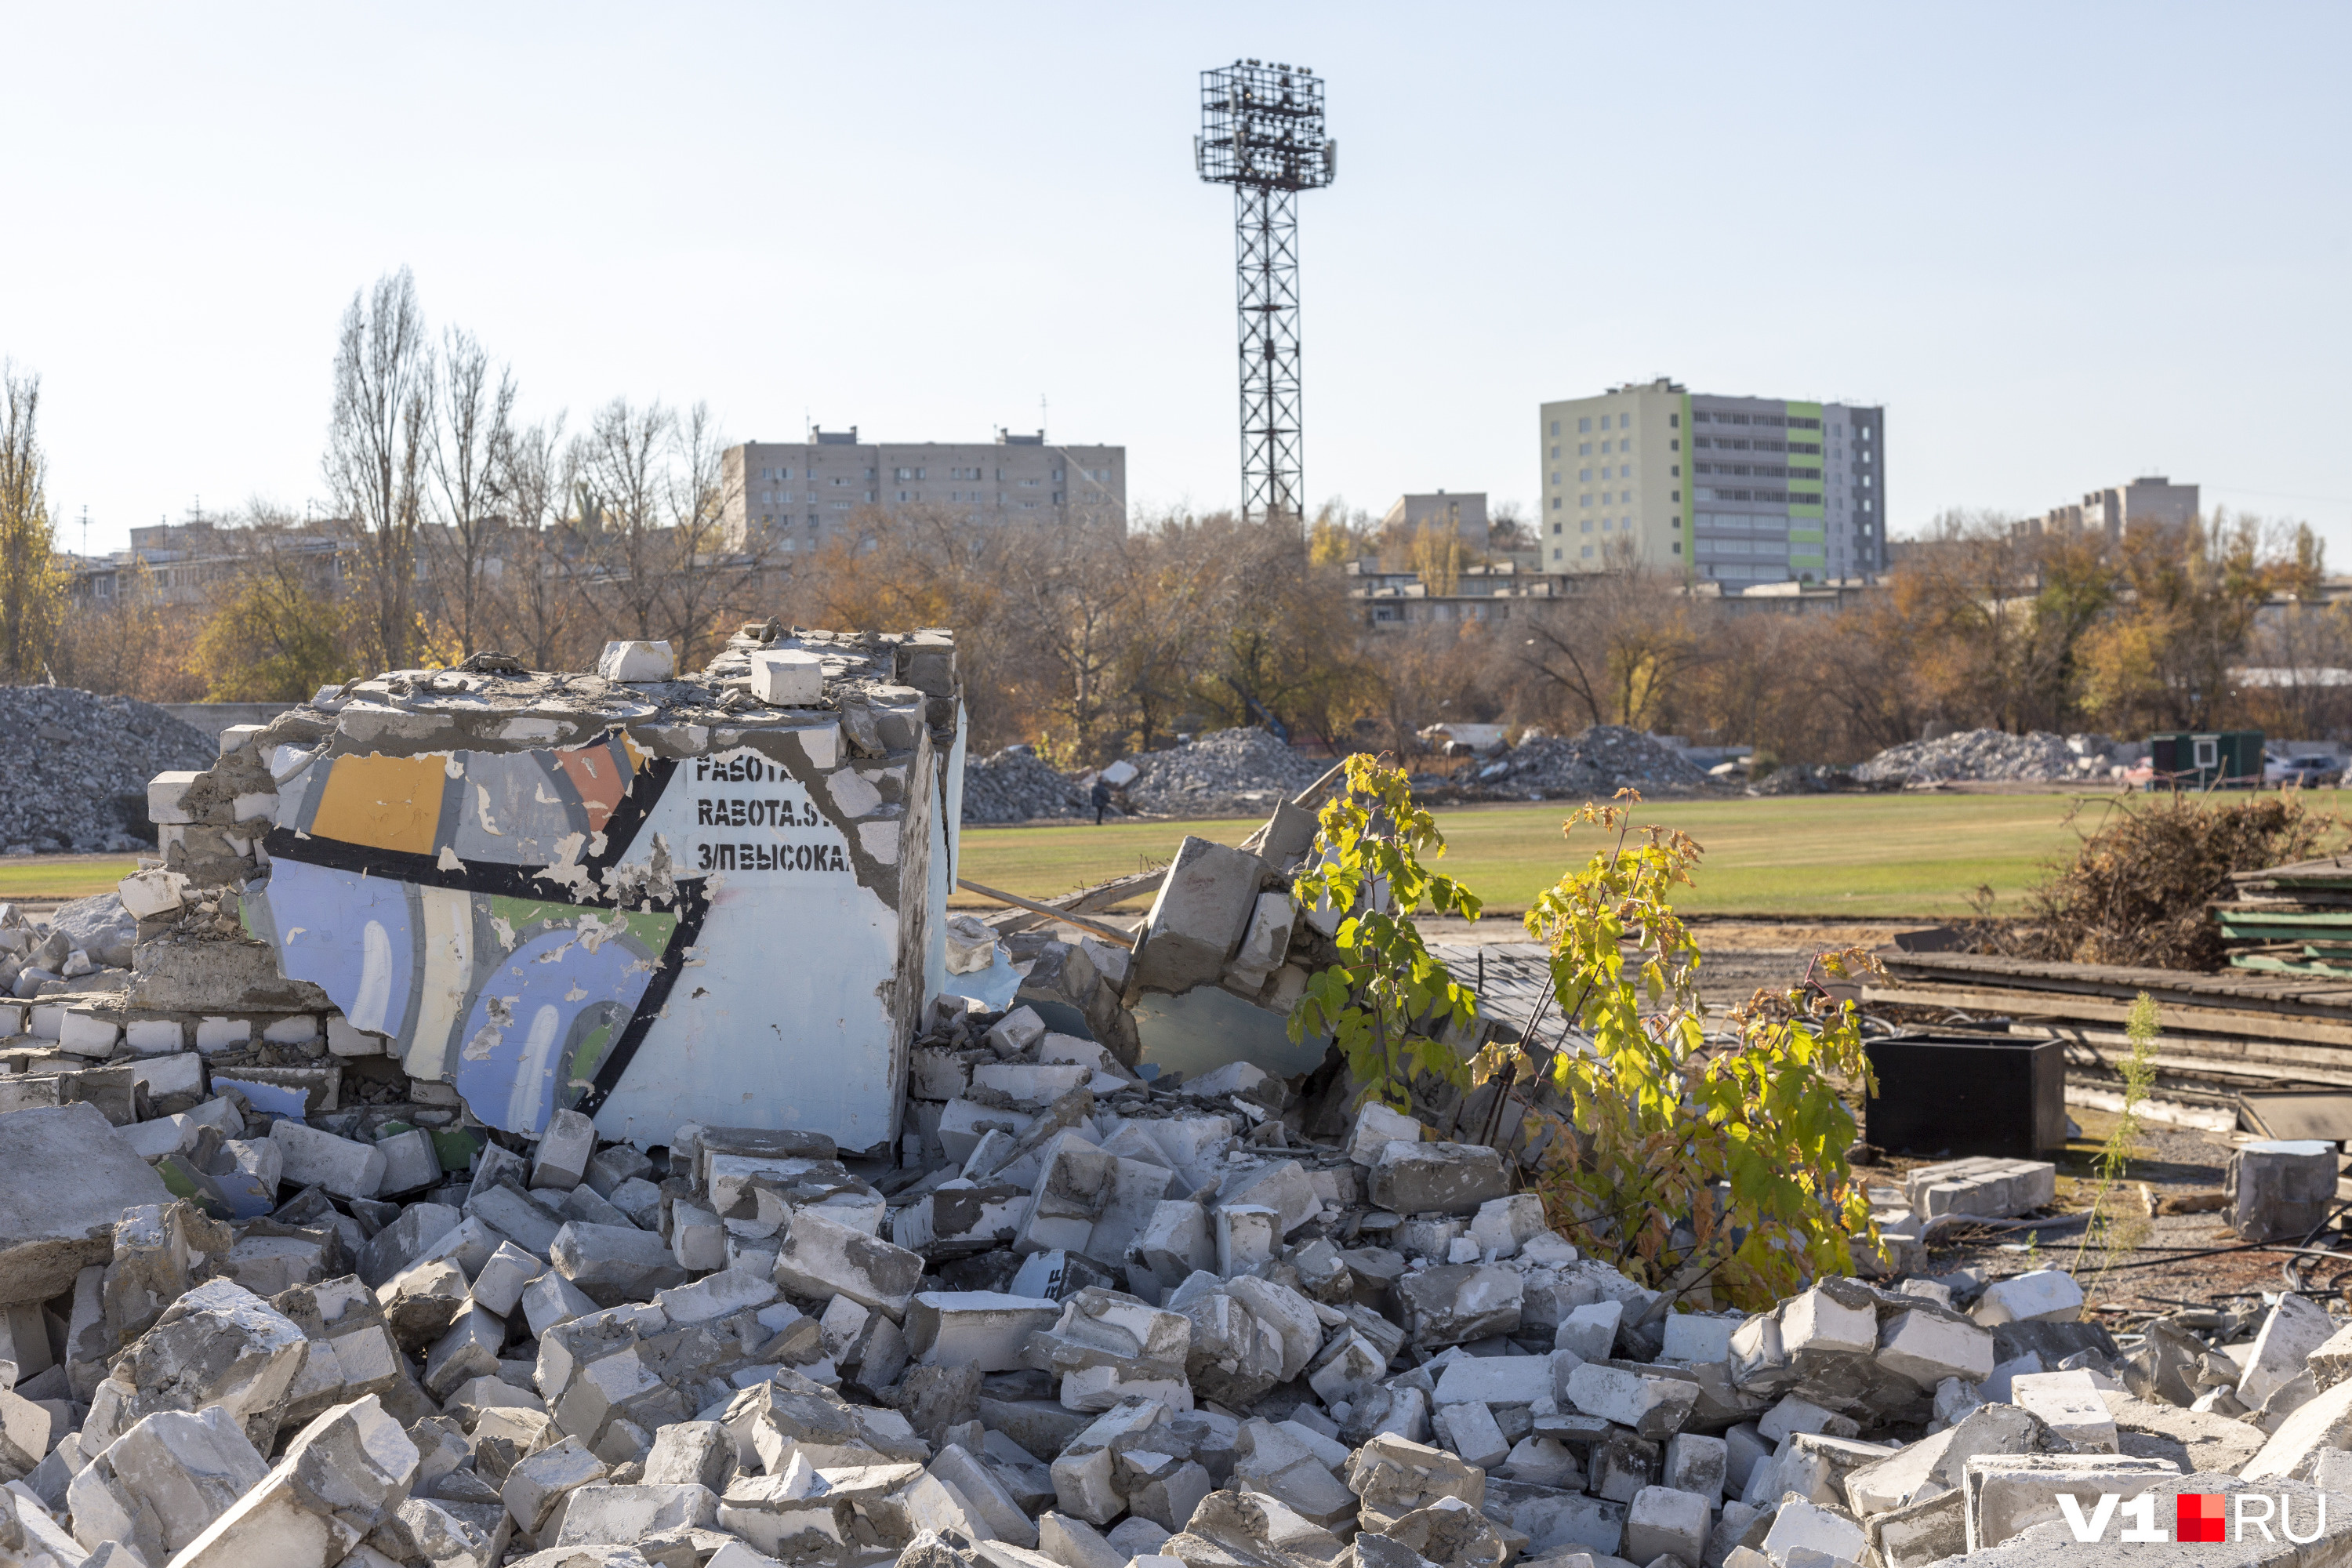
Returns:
point(595, 772)
point(385, 803)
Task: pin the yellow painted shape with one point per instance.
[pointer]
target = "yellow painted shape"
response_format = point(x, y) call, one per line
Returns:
point(385, 803)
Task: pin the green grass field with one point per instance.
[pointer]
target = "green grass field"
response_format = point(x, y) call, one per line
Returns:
point(1864, 857)
point(39, 878)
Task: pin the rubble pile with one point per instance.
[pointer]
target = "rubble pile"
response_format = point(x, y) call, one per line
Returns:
point(1227, 773)
point(1990, 754)
point(1596, 764)
point(271, 1290)
point(1017, 784)
point(78, 766)
point(1101, 1321)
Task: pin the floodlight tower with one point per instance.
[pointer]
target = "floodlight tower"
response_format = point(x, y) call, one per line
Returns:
point(1261, 134)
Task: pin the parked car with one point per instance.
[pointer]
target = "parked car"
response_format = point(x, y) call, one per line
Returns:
point(2315, 770)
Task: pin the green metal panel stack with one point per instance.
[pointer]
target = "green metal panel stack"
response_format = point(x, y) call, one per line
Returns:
point(2291, 919)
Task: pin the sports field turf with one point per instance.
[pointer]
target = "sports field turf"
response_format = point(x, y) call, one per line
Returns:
point(1869, 857)
point(1863, 856)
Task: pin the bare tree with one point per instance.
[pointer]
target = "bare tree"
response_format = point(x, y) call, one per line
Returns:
point(540, 608)
point(377, 449)
point(1616, 649)
point(32, 590)
point(699, 586)
point(621, 461)
point(473, 434)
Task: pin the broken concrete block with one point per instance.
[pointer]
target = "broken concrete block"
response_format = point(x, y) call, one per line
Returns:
point(1663, 1521)
point(565, 1147)
point(345, 1168)
point(469, 1349)
point(1246, 1235)
point(1264, 942)
point(600, 1513)
point(1927, 1347)
point(2294, 1331)
point(2323, 1421)
point(1198, 917)
point(698, 1240)
point(2008, 1493)
point(1798, 1525)
point(2044, 1296)
point(71, 1175)
point(1436, 1178)
point(411, 1163)
point(218, 1344)
point(787, 678)
point(392, 1250)
point(339, 1478)
point(1376, 1127)
point(1282, 1186)
point(1654, 1401)
point(536, 1484)
point(1085, 1473)
point(420, 1303)
point(550, 1301)
point(1934, 1463)
point(610, 1264)
point(499, 1284)
point(1176, 1241)
point(159, 1485)
point(2279, 1189)
point(1454, 1303)
point(1696, 1463)
point(1815, 1320)
point(818, 1257)
point(1015, 1032)
point(2068, 1405)
point(636, 661)
point(1590, 1331)
point(1074, 1543)
point(984, 1494)
point(982, 1329)
point(1470, 1431)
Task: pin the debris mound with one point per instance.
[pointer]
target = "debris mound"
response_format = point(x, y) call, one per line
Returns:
point(1227, 773)
point(78, 766)
point(2037, 757)
point(1599, 762)
point(1017, 784)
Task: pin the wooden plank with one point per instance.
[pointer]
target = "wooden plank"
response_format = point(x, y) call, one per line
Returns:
point(1085, 901)
point(2305, 999)
point(2103, 1010)
point(1102, 929)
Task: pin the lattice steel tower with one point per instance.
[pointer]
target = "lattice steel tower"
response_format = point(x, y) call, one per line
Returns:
point(1261, 134)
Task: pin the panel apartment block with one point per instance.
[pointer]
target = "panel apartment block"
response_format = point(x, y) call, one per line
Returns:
point(1737, 489)
point(794, 497)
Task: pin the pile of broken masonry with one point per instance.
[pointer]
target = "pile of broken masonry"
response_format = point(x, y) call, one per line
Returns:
point(274, 1296)
point(1156, 1327)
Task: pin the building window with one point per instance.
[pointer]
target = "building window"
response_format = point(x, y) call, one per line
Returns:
point(1587, 526)
point(1555, 451)
point(1555, 427)
point(1583, 475)
point(1555, 503)
point(1674, 421)
point(1555, 477)
point(1556, 552)
point(1676, 497)
point(1584, 501)
point(1625, 421)
point(1588, 552)
point(1583, 427)
point(1678, 547)
point(1556, 527)
point(1626, 472)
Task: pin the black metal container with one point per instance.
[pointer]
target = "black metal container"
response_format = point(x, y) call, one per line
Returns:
point(1966, 1094)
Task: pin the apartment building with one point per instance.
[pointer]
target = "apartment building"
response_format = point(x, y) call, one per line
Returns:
point(795, 496)
point(2152, 500)
point(1461, 514)
point(1735, 490)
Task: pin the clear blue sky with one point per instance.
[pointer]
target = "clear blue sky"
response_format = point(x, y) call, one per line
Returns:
point(2063, 245)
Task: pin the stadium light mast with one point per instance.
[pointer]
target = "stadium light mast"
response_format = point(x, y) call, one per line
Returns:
point(1262, 132)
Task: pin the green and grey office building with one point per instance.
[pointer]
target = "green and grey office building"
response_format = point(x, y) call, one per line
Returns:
point(1735, 490)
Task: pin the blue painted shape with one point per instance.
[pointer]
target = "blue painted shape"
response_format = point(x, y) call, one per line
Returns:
point(351, 936)
point(276, 1099)
point(515, 1052)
